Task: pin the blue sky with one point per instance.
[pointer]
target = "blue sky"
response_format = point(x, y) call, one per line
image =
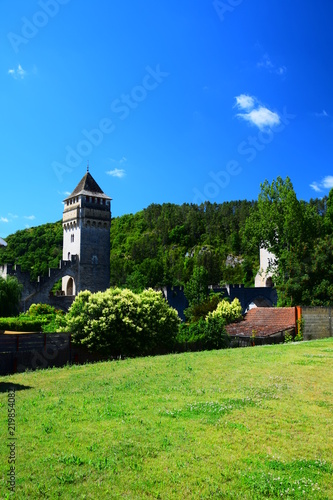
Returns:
point(169, 101)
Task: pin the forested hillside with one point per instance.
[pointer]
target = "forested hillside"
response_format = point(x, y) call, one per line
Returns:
point(157, 246)
point(164, 244)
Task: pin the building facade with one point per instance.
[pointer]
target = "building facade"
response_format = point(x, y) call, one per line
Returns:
point(86, 237)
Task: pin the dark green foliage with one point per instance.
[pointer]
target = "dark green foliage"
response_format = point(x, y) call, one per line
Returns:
point(10, 294)
point(44, 310)
point(52, 319)
point(196, 289)
point(35, 249)
point(39, 317)
point(197, 311)
point(300, 235)
point(204, 334)
point(162, 244)
point(22, 323)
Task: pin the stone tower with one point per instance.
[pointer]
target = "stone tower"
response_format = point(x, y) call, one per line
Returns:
point(86, 238)
point(264, 276)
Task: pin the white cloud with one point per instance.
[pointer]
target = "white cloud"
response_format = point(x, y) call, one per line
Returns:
point(256, 114)
point(244, 101)
point(117, 172)
point(315, 187)
point(266, 63)
point(325, 183)
point(29, 217)
point(4, 219)
point(18, 73)
point(322, 114)
point(261, 117)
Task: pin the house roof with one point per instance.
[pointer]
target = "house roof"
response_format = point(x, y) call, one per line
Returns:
point(265, 321)
point(2, 243)
point(88, 186)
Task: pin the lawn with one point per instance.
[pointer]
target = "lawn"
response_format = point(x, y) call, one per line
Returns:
point(250, 423)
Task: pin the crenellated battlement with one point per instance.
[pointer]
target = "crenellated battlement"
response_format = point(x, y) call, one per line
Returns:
point(39, 291)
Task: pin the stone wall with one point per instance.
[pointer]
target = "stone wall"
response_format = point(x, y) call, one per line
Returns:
point(94, 267)
point(35, 292)
point(318, 322)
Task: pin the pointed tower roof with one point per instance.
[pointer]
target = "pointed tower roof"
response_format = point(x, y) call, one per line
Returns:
point(88, 186)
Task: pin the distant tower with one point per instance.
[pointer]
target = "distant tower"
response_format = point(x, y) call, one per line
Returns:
point(264, 277)
point(86, 226)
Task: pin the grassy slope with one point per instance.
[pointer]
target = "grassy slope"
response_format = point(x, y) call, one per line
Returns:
point(243, 423)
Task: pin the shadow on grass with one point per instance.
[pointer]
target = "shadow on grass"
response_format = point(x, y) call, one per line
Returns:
point(8, 386)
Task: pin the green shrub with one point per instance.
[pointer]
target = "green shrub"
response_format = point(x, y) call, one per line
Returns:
point(54, 323)
point(122, 322)
point(39, 318)
point(230, 312)
point(288, 337)
point(204, 334)
point(42, 310)
point(22, 323)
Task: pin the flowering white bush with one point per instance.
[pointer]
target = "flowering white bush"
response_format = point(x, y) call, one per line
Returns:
point(230, 312)
point(122, 322)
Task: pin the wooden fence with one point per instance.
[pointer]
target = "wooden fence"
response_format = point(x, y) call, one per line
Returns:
point(31, 351)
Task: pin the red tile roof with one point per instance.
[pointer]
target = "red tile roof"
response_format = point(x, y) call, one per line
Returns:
point(265, 321)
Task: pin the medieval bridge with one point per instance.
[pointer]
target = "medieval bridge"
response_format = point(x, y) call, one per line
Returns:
point(40, 291)
point(86, 259)
point(247, 296)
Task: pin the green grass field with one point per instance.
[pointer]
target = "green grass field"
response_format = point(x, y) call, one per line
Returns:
point(248, 423)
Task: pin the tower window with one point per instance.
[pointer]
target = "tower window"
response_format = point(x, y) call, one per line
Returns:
point(72, 238)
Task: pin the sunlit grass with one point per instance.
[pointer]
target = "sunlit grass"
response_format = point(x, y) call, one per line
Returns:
point(241, 423)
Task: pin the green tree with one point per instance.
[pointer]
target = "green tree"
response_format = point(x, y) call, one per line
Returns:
point(278, 225)
point(10, 295)
point(197, 287)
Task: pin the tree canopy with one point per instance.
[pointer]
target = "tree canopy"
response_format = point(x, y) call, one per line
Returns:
point(10, 294)
point(300, 236)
